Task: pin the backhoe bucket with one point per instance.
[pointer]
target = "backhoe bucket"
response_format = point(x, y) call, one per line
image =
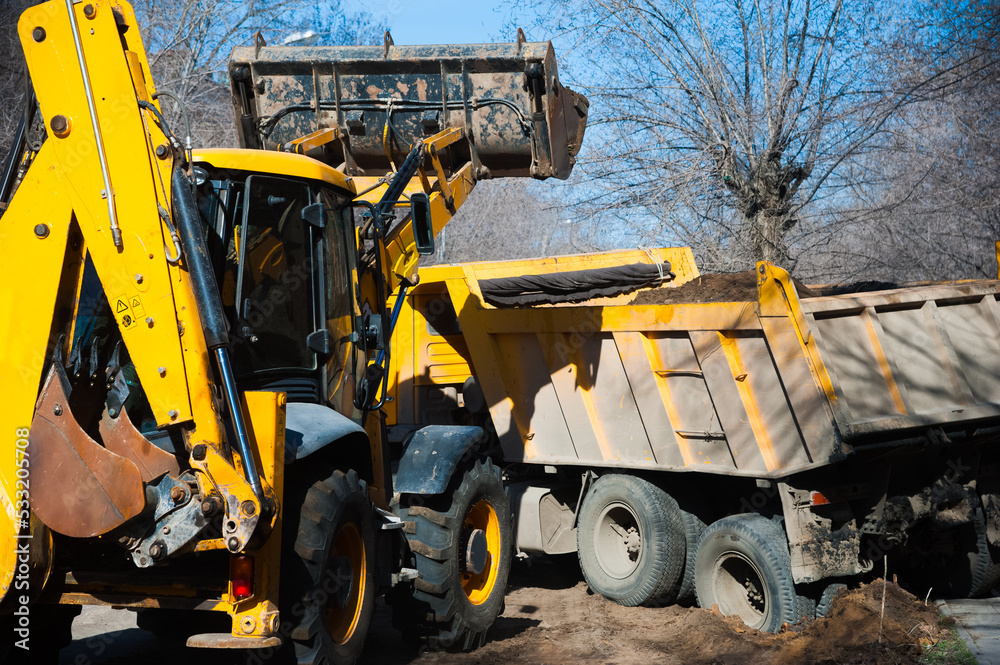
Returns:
point(361, 108)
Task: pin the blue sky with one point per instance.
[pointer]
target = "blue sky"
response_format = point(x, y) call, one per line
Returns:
point(441, 21)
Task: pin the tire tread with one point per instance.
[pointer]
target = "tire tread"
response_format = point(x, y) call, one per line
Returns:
point(768, 538)
point(437, 613)
point(665, 544)
point(315, 517)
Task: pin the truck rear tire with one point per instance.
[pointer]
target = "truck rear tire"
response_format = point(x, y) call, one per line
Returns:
point(826, 598)
point(630, 541)
point(328, 589)
point(743, 566)
point(461, 543)
point(693, 528)
point(971, 572)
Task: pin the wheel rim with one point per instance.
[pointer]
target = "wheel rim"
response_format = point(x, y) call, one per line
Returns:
point(739, 589)
point(618, 540)
point(482, 516)
point(343, 614)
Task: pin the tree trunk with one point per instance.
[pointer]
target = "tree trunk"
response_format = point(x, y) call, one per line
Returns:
point(767, 238)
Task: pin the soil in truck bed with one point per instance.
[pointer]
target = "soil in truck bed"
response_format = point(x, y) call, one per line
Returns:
point(742, 287)
point(721, 287)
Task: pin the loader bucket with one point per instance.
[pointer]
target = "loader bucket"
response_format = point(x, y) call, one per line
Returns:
point(362, 107)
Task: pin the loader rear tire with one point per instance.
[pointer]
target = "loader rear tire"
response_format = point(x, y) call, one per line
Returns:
point(328, 589)
point(452, 536)
point(630, 541)
point(744, 567)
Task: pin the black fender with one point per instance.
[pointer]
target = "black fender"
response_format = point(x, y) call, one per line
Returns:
point(311, 427)
point(431, 457)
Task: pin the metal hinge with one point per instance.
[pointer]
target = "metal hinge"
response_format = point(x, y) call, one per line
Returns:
point(389, 521)
point(405, 575)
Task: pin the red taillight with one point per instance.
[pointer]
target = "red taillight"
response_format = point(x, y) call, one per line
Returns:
point(241, 576)
point(817, 499)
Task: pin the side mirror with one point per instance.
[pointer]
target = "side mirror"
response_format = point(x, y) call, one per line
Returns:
point(423, 228)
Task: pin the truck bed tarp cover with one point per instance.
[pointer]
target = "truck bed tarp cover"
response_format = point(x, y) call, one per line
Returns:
point(574, 285)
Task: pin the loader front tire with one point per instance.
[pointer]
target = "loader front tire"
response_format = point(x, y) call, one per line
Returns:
point(461, 544)
point(328, 586)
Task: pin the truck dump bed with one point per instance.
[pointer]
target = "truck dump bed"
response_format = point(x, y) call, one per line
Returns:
point(763, 385)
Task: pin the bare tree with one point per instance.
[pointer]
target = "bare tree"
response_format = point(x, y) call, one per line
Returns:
point(937, 215)
point(733, 125)
point(12, 83)
point(505, 219)
point(189, 42)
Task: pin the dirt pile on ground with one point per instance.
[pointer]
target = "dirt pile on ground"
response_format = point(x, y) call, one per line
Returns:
point(857, 631)
point(551, 619)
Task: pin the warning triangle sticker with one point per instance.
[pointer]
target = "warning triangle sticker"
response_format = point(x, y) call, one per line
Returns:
point(136, 303)
point(121, 306)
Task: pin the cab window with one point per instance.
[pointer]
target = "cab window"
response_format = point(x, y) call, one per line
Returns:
point(273, 296)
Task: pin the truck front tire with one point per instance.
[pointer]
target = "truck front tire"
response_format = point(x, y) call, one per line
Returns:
point(630, 541)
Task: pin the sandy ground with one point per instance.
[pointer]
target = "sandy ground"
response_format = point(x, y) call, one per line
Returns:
point(552, 619)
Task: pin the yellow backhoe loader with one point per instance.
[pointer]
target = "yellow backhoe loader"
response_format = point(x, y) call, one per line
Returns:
point(194, 343)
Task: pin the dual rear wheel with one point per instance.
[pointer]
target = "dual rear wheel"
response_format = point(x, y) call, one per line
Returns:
point(630, 541)
point(638, 546)
point(743, 566)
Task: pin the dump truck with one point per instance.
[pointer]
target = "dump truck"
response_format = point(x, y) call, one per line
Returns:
point(739, 440)
point(195, 363)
